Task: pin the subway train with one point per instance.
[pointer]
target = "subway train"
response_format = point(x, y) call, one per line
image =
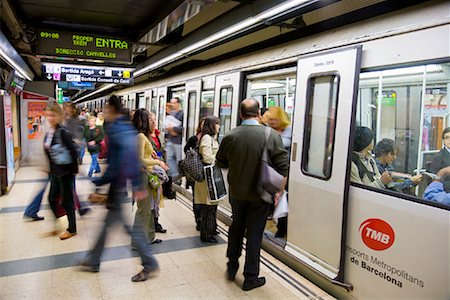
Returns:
point(390, 73)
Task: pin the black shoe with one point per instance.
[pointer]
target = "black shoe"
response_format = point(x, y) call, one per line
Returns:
point(88, 267)
point(161, 230)
point(197, 227)
point(156, 241)
point(84, 210)
point(280, 234)
point(231, 271)
point(33, 218)
point(250, 285)
point(209, 240)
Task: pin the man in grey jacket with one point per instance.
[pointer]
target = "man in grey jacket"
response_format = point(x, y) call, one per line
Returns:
point(241, 152)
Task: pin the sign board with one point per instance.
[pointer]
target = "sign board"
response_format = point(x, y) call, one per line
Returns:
point(82, 73)
point(56, 43)
point(9, 139)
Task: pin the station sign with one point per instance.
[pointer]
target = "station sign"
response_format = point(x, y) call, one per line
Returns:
point(56, 43)
point(83, 73)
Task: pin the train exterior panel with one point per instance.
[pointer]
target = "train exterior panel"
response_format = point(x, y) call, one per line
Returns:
point(355, 241)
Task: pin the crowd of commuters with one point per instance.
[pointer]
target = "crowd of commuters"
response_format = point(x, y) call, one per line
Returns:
point(140, 153)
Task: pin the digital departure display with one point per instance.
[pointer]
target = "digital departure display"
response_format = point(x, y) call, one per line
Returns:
point(82, 46)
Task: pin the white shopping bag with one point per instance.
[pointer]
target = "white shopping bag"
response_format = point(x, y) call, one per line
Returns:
point(282, 208)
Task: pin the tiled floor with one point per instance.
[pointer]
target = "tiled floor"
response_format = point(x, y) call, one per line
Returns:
point(37, 267)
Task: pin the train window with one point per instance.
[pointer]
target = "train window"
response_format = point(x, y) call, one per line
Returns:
point(226, 98)
point(154, 103)
point(207, 104)
point(275, 91)
point(320, 118)
point(192, 103)
point(162, 112)
point(405, 112)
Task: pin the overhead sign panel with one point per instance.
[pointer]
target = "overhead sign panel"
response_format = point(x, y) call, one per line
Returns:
point(82, 46)
point(82, 73)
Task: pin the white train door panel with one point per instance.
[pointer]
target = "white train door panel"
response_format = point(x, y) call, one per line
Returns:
point(226, 101)
point(318, 180)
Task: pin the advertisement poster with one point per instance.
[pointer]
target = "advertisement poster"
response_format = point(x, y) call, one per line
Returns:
point(36, 120)
point(9, 139)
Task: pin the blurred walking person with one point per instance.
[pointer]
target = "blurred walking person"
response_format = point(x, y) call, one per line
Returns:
point(93, 134)
point(62, 155)
point(123, 165)
point(174, 130)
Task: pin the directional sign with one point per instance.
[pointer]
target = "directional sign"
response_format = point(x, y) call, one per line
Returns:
point(82, 73)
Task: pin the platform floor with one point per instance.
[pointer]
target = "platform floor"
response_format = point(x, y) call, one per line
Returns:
point(37, 267)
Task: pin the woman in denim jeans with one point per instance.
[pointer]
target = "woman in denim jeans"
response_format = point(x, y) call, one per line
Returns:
point(94, 135)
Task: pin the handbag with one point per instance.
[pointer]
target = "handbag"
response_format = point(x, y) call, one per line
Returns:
point(215, 183)
point(270, 180)
point(59, 152)
point(192, 165)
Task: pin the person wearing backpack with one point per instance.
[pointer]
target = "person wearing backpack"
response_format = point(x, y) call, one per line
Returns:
point(94, 135)
point(62, 155)
point(364, 168)
point(208, 147)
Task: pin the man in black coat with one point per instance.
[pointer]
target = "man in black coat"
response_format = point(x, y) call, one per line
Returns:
point(241, 152)
point(442, 159)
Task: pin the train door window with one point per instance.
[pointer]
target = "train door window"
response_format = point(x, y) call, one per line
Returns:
point(140, 101)
point(207, 104)
point(154, 103)
point(162, 112)
point(180, 93)
point(192, 103)
point(320, 117)
point(275, 90)
point(407, 111)
point(226, 98)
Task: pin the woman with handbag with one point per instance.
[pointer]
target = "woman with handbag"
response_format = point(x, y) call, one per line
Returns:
point(208, 147)
point(146, 208)
point(62, 155)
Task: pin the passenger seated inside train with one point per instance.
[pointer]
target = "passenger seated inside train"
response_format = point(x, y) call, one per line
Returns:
point(364, 168)
point(442, 159)
point(439, 190)
point(385, 153)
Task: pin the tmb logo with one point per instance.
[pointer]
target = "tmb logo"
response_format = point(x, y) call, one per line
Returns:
point(377, 234)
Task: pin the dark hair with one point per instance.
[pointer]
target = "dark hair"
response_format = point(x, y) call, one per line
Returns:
point(363, 138)
point(209, 127)
point(200, 125)
point(446, 130)
point(115, 103)
point(263, 110)
point(385, 146)
point(141, 121)
point(249, 109)
point(176, 98)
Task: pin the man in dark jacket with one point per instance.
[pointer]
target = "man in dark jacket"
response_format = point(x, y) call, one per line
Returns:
point(241, 152)
point(123, 165)
point(442, 159)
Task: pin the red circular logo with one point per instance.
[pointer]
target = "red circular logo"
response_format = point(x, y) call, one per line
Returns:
point(377, 234)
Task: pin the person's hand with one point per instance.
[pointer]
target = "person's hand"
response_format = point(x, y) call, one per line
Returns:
point(442, 172)
point(386, 178)
point(140, 195)
point(163, 165)
point(277, 197)
point(417, 178)
point(91, 143)
point(154, 154)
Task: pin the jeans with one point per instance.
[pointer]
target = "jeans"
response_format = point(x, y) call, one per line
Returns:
point(95, 167)
point(173, 152)
point(82, 150)
point(33, 208)
point(138, 237)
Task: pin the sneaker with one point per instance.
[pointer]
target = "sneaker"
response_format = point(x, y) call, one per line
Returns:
point(86, 266)
point(66, 235)
point(33, 218)
point(84, 210)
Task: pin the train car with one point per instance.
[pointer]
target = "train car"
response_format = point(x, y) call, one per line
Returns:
point(389, 73)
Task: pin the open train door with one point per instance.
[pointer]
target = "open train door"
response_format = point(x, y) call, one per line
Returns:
point(319, 178)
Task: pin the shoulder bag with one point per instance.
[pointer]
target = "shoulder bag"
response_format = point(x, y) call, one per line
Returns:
point(271, 181)
point(59, 152)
